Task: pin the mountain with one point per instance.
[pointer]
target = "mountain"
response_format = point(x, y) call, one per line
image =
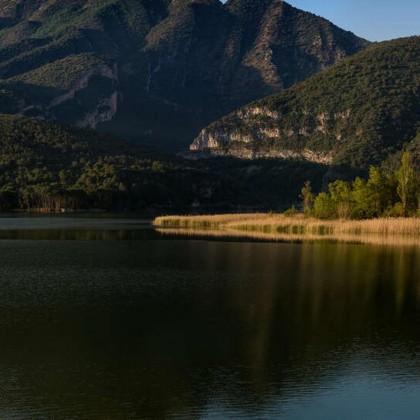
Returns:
point(358, 112)
point(157, 70)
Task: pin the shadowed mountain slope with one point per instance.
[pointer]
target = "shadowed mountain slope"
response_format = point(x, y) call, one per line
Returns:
point(157, 70)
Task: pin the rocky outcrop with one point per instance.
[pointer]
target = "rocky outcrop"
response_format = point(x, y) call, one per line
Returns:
point(107, 71)
point(106, 105)
point(220, 142)
point(324, 158)
point(256, 131)
point(92, 99)
point(105, 110)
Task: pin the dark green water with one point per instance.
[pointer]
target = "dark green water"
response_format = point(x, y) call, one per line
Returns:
point(113, 321)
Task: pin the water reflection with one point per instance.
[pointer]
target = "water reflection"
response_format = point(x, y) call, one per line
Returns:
point(233, 234)
point(185, 328)
point(65, 234)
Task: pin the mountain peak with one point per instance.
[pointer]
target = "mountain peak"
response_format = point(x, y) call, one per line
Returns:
point(184, 3)
point(249, 6)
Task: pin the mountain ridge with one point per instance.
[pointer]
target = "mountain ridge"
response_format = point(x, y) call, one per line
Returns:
point(175, 65)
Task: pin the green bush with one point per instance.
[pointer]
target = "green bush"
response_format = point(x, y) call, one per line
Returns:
point(291, 212)
point(394, 195)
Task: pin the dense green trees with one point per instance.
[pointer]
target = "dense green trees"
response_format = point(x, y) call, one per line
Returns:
point(384, 193)
point(407, 188)
point(307, 197)
point(48, 167)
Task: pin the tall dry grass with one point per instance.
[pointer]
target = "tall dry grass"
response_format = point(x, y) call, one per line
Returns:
point(203, 222)
point(297, 225)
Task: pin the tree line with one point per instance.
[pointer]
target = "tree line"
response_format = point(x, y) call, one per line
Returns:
point(383, 194)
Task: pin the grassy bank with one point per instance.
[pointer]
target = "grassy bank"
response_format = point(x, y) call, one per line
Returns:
point(297, 225)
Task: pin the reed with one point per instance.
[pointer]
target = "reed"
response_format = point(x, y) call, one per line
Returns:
point(201, 222)
point(296, 225)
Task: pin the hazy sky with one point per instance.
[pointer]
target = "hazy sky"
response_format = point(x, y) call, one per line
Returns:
point(375, 20)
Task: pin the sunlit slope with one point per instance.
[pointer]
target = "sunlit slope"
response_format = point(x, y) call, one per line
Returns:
point(359, 112)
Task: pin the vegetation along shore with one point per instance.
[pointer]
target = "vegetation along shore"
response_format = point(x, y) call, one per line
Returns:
point(386, 204)
point(298, 225)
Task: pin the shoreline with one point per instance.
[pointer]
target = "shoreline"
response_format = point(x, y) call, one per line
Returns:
point(276, 226)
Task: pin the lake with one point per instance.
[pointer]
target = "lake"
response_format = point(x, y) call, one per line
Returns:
point(106, 318)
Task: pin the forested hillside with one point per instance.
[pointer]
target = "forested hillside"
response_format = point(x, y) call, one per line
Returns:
point(159, 70)
point(48, 167)
point(359, 112)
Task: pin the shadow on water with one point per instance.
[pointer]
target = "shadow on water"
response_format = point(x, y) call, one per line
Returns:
point(80, 234)
point(156, 327)
point(79, 228)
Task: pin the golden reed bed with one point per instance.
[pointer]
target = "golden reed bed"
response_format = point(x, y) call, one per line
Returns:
point(278, 227)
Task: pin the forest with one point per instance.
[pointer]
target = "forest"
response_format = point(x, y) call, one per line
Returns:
point(385, 193)
point(52, 168)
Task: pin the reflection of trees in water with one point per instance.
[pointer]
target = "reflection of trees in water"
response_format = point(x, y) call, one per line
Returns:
point(326, 295)
point(195, 323)
point(127, 234)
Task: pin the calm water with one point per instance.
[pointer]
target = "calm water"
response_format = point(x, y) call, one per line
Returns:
point(108, 319)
